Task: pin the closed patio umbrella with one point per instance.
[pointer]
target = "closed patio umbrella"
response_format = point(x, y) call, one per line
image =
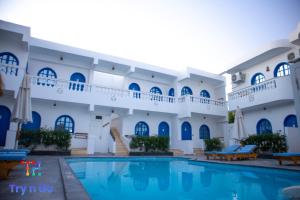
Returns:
point(22, 108)
point(238, 132)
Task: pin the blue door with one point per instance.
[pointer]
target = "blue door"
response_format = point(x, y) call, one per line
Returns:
point(77, 77)
point(163, 129)
point(291, 121)
point(4, 123)
point(35, 124)
point(186, 131)
point(204, 132)
point(263, 126)
point(135, 87)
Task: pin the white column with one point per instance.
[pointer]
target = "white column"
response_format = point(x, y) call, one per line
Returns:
point(11, 136)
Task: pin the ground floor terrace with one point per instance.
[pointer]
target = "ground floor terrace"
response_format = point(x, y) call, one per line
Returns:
point(58, 181)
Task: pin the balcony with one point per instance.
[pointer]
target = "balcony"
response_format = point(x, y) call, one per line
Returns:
point(12, 77)
point(272, 92)
point(70, 91)
point(191, 104)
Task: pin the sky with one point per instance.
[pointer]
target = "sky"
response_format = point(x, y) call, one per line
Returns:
point(209, 35)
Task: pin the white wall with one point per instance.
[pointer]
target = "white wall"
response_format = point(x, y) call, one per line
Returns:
point(275, 115)
point(197, 86)
point(152, 120)
point(62, 71)
point(261, 68)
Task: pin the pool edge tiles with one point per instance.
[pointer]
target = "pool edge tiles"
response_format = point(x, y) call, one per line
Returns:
point(73, 188)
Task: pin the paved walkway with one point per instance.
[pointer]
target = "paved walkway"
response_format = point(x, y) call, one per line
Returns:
point(269, 163)
point(47, 186)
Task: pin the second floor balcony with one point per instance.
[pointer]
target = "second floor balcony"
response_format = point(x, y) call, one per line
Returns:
point(95, 95)
point(274, 91)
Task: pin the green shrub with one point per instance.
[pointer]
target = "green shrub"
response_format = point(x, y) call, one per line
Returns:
point(61, 138)
point(267, 142)
point(231, 116)
point(150, 144)
point(213, 144)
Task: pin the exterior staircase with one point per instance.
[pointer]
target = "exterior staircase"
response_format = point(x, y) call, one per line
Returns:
point(121, 149)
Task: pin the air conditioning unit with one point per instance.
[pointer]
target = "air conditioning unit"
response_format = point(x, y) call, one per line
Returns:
point(291, 56)
point(238, 77)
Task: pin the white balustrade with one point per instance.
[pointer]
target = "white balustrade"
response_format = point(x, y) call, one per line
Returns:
point(111, 95)
point(9, 69)
point(258, 88)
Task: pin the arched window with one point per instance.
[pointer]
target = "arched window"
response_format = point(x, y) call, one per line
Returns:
point(163, 129)
point(186, 91)
point(142, 129)
point(65, 122)
point(4, 123)
point(204, 132)
point(79, 79)
point(186, 131)
point(136, 88)
point(204, 93)
point(35, 124)
point(171, 92)
point(47, 75)
point(8, 58)
point(257, 78)
point(263, 126)
point(156, 90)
point(282, 69)
point(290, 121)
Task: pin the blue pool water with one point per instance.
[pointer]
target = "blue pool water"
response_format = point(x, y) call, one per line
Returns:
point(178, 178)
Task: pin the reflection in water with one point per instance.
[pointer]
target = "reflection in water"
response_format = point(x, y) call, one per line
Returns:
point(205, 178)
point(187, 181)
point(141, 172)
point(151, 179)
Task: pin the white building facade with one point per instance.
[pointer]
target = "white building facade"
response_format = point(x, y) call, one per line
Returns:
point(91, 93)
point(262, 86)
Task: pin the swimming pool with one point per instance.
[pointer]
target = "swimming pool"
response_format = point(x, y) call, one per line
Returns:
point(178, 178)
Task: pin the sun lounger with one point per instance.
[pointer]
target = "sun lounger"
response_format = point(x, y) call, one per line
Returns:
point(245, 152)
point(8, 160)
point(26, 151)
point(295, 157)
point(229, 149)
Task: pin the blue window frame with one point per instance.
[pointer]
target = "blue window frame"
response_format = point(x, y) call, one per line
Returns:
point(282, 69)
point(142, 129)
point(263, 126)
point(35, 124)
point(8, 58)
point(257, 78)
point(47, 75)
point(136, 90)
point(186, 91)
point(171, 92)
point(204, 132)
point(291, 121)
point(163, 129)
point(79, 79)
point(186, 131)
point(65, 122)
point(4, 123)
point(156, 90)
point(204, 93)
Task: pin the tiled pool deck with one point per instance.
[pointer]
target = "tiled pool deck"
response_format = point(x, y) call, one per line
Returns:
point(57, 174)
